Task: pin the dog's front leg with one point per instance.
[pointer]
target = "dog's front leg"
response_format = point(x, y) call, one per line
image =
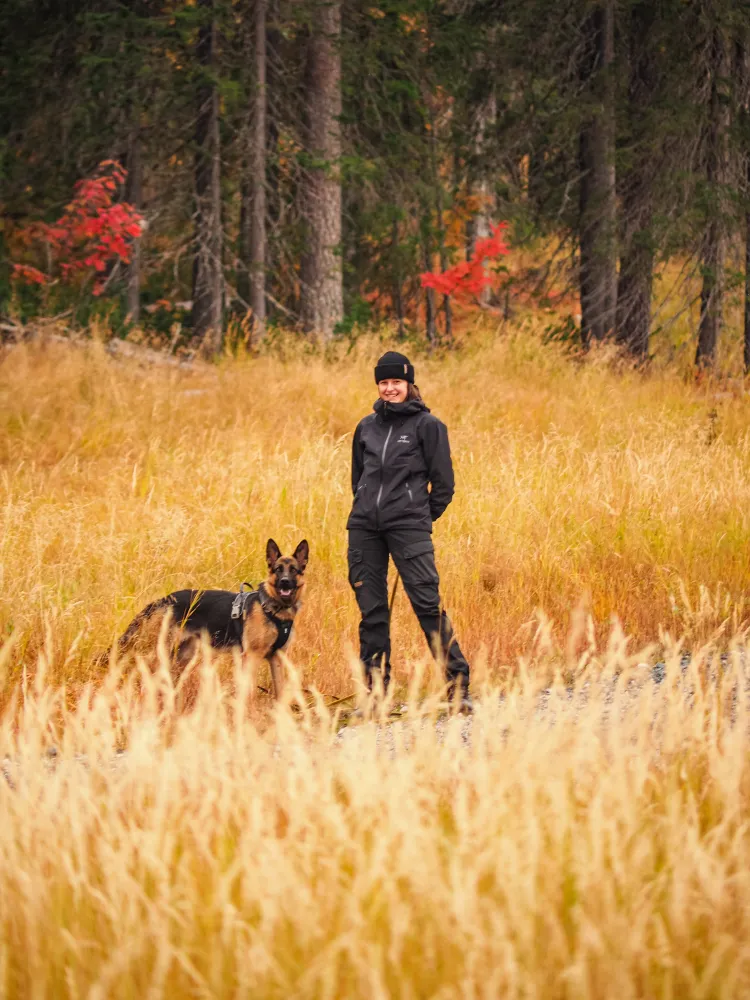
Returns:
point(277, 674)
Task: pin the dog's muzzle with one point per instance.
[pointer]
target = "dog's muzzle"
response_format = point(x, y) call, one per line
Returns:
point(285, 588)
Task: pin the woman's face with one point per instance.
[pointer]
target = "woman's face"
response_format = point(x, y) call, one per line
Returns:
point(393, 390)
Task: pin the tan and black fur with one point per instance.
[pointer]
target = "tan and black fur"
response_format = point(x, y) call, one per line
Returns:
point(196, 613)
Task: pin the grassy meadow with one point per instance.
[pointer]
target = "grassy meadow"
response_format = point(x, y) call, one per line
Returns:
point(582, 493)
point(595, 848)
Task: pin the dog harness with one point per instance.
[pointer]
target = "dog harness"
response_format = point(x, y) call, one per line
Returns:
point(247, 597)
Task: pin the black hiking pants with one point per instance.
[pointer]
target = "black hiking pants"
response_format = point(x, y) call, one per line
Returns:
point(414, 555)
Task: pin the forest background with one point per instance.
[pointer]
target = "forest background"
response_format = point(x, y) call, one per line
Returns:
point(301, 164)
point(267, 183)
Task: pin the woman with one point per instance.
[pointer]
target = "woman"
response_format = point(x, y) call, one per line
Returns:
point(402, 479)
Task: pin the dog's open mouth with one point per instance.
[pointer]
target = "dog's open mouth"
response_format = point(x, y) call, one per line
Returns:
point(285, 588)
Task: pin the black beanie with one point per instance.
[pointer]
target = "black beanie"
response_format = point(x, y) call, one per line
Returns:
point(394, 365)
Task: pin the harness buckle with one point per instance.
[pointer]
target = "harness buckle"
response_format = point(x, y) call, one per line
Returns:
point(238, 604)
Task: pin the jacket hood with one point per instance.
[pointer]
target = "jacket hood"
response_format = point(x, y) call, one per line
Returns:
point(387, 410)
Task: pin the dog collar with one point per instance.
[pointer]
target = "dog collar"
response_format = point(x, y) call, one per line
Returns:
point(283, 626)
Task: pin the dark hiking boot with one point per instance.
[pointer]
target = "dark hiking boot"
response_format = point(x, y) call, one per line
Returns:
point(461, 699)
point(466, 704)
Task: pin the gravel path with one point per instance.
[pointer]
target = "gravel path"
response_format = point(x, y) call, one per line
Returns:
point(558, 706)
point(617, 698)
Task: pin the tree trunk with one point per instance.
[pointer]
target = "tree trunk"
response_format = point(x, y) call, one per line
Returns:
point(743, 74)
point(398, 291)
point(713, 254)
point(322, 304)
point(747, 280)
point(134, 197)
point(429, 293)
point(481, 221)
point(447, 308)
point(274, 90)
point(438, 192)
point(635, 281)
point(207, 270)
point(598, 266)
point(252, 286)
point(634, 290)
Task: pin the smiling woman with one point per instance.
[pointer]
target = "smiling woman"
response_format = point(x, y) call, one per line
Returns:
point(402, 480)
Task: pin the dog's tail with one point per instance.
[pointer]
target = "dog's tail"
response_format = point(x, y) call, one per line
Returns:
point(131, 634)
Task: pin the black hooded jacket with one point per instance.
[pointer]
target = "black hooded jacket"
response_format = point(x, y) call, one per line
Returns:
point(400, 450)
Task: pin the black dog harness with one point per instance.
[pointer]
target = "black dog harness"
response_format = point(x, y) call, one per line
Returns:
point(243, 600)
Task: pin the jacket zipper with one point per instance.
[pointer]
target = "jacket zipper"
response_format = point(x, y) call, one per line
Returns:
point(408, 490)
point(382, 463)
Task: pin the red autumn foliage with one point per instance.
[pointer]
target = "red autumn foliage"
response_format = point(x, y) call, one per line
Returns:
point(29, 275)
point(469, 277)
point(92, 232)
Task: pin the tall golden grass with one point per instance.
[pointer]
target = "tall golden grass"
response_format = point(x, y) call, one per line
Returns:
point(589, 841)
point(592, 844)
point(582, 493)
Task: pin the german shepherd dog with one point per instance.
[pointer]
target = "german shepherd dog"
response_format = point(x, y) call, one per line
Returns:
point(259, 622)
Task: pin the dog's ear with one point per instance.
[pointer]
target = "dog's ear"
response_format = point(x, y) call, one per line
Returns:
point(273, 553)
point(301, 554)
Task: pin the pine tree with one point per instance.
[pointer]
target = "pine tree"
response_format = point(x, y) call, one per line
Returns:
point(252, 279)
point(321, 270)
point(636, 183)
point(713, 252)
point(598, 266)
point(207, 260)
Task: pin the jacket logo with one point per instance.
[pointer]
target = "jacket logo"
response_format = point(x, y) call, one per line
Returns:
point(404, 439)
